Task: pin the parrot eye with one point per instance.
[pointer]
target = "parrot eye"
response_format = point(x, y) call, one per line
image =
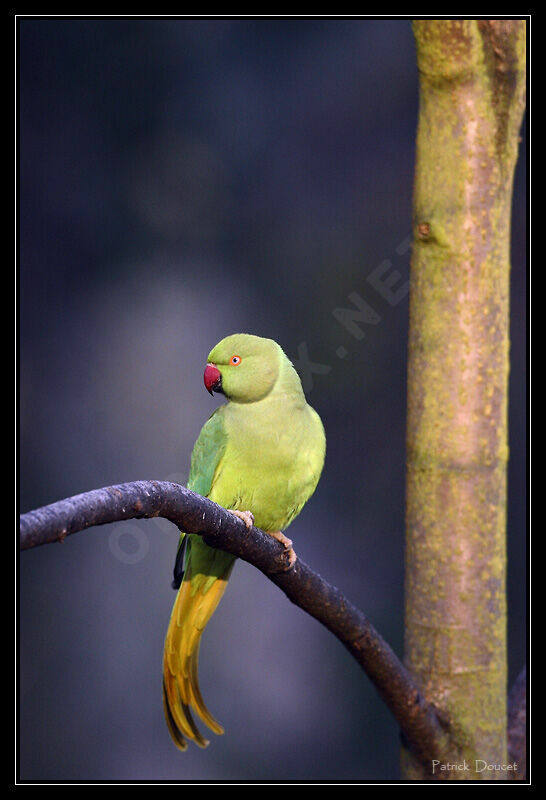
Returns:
point(235, 360)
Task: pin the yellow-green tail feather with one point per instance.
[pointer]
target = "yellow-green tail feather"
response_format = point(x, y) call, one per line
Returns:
point(205, 580)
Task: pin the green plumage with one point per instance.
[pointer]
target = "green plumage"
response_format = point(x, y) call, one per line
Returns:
point(263, 452)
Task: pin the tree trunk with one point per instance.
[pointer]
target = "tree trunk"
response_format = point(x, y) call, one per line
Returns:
point(472, 97)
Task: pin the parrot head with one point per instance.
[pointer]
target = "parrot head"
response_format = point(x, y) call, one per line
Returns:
point(243, 367)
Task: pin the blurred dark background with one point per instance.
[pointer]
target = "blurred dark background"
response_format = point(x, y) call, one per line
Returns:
point(181, 180)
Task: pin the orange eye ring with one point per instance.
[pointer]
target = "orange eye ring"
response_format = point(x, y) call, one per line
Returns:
point(235, 361)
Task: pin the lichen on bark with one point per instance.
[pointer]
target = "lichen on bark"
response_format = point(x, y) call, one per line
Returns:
point(472, 97)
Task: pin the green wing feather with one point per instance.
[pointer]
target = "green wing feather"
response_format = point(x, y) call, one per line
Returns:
point(205, 576)
point(207, 453)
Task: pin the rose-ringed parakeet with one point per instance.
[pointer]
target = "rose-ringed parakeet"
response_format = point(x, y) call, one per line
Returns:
point(259, 455)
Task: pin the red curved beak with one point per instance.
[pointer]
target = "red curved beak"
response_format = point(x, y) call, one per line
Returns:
point(212, 378)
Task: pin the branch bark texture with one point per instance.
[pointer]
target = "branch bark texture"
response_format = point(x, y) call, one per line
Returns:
point(195, 514)
point(472, 96)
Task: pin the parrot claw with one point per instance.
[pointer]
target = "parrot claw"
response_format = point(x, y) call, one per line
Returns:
point(246, 516)
point(288, 549)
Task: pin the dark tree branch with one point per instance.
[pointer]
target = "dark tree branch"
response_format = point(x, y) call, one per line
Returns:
point(192, 513)
point(517, 725)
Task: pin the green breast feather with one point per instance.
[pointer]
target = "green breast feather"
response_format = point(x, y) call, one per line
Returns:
point(273, 457)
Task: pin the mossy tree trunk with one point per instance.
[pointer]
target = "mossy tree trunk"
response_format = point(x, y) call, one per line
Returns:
point(472, 97)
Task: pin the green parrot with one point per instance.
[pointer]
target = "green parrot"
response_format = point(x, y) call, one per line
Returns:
point(259, 455)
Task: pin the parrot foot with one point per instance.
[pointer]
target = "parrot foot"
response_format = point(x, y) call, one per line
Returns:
point(246, 516)
point(288, 549)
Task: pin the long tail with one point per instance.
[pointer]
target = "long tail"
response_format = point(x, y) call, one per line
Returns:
point(205, 578)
